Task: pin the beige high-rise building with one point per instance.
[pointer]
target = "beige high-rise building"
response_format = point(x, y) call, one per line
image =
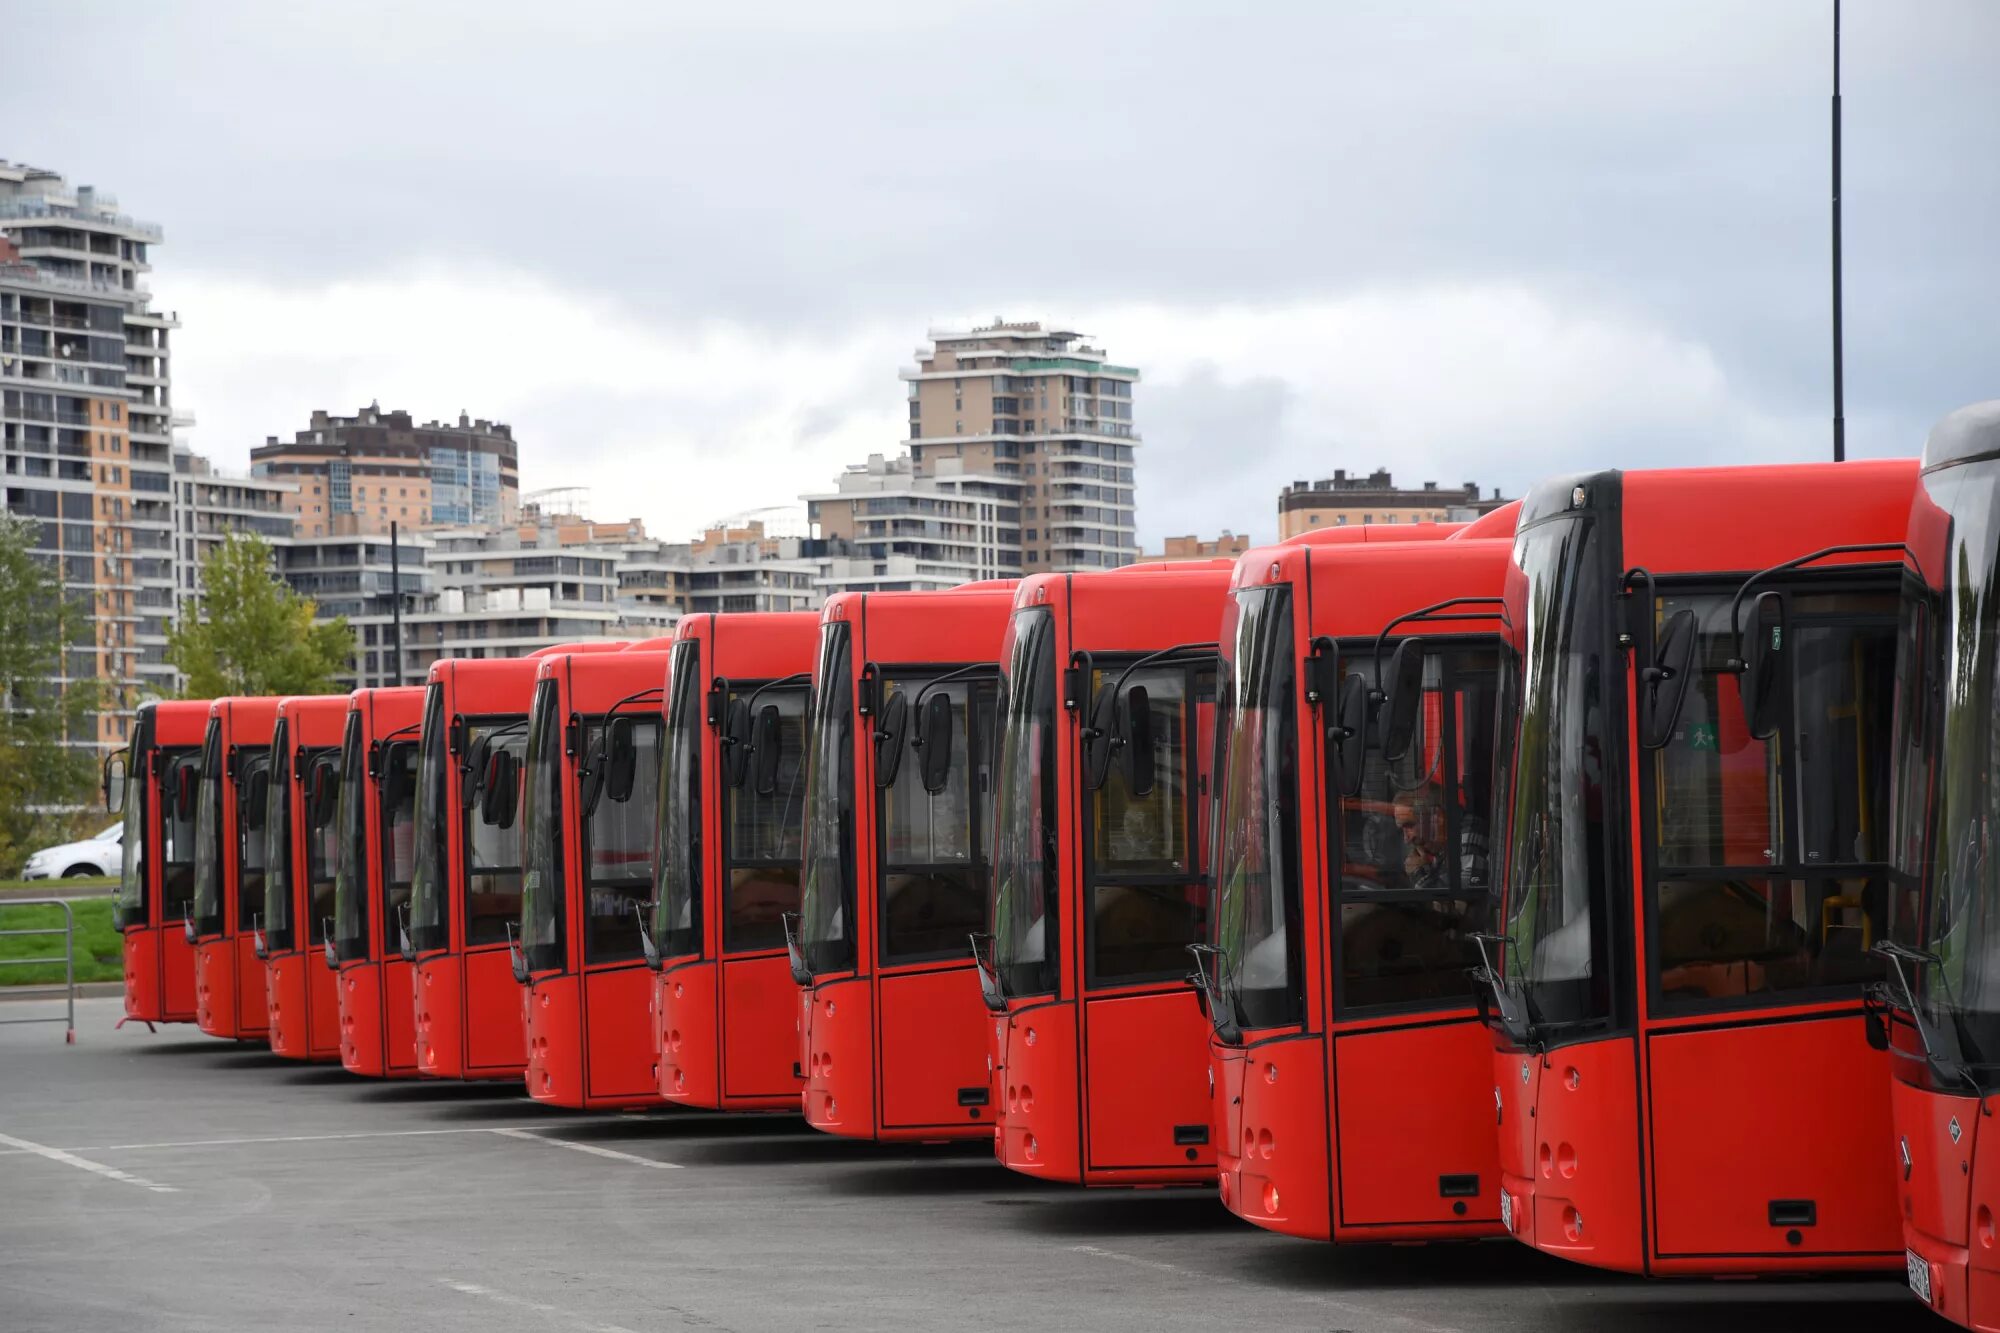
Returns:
point(359, 474)
point(1035, 405)
point(86, 423)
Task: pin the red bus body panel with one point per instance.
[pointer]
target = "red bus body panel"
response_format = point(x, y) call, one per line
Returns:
point(726, 1028)
point(1661, 1153)
point(303, 998)
point(900, 1052)
point(589, 1027)
point(1108, 1083)
point(159, 962)
point(377, 1019)
point(466, 1003)
point(1346, 1127)
point(229, 977)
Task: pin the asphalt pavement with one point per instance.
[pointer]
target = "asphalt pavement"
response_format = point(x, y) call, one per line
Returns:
point(169, 1181)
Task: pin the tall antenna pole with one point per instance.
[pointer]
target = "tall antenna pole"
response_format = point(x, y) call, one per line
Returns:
point(1839, 395)
point(396, 602)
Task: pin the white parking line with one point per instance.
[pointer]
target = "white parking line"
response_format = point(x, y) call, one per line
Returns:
point(293, 1138)
point(590, 1148)
point(85, 1164)
point(522, 1303)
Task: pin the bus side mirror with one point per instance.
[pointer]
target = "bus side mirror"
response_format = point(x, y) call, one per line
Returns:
point(1873, 1027)
point(736, 743)
point(890, 737)
point(114, 783)
point(499, 790)
point(621, 760)
point(1666, 680)
point(1402, 698)
point(934, 735)
point(1138, 736)
point(1764, 667)
point(254, 798)
point(322, 791)
point(1350, 734)
point(395, 782)
point(1103, 734)
point(475, 771)
point(767, 748)
point(186, 783)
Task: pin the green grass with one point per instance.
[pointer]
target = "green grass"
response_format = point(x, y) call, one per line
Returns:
point(100, 954)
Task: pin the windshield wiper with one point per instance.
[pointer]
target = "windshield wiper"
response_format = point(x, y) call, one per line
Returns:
point(992, 989)
point(1213, 992)
point(1931, 1035)
point(1517, 1013)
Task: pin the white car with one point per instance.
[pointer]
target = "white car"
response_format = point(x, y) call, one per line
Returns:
point(101, 854)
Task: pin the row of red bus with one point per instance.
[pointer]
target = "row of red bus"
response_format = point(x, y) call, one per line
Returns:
point(1611, 872)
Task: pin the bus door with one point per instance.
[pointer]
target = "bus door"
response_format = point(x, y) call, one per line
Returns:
point(1145, 899)
point(252, 776)
point(1765, 850)
point(490, 1002)
point(398, 809)
point(931, 829)
point(763, 823)
point(1412, 1127)
point(616, 854)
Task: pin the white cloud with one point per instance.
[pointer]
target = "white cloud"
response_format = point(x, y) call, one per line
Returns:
point(1498, 383)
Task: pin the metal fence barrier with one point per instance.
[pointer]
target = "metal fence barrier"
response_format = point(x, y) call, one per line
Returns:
point(68, 932)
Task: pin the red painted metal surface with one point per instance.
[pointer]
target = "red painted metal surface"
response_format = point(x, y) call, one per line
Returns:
point(896, 1041)
point(229, 978)
point(1367, 1117)
point(159, 961)
point(589, 1030)
point(466, 1003)
point(723, 1001)
point(374, 990)
point(302, 1000)
point(1703, 1119)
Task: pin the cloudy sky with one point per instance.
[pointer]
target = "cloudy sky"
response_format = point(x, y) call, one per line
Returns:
point(685, 249)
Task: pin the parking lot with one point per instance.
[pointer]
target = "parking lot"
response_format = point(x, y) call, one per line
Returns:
point(169, 1181)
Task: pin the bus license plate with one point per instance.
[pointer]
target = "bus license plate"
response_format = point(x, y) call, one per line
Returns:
point(1507, 1221)
point(1920, 1274)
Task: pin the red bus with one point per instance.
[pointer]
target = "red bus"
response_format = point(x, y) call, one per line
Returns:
point(732, 807)
point(466, 891)
point(376, 826)
point(302, 789)
point(1350, 1064)
point(152, 784)
point(587, 855)
point(1100, 870)
point(1696, 864)
point(229, 869)
point(1944, 1040)
point(898, 778)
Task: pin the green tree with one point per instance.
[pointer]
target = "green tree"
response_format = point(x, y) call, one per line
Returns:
point(251, 634)
point(48, 763)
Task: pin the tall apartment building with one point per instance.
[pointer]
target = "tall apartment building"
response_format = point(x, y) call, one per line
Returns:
point(210, 505)
point(1036, 407)
point(355, 576)
point(86, 422)
point(1340, 500)
point(361, 473)
point(891, 530)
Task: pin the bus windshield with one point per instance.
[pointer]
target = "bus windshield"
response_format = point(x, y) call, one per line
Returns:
point(1961, 928)
point(762, 833)
point(250, 864)
point(1025, 853)
point(132, 906)
point(934, 843)
point(396, 794)
point(430, 927)
point(177, 840)
point(542, 883)
point(278, 843)
point(492, 883)
point(677, 922)
point(208, 836)
point(827, 906)
point(1558, 875)
point(350, 885)
point(617, 848)
point(1257, 827)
